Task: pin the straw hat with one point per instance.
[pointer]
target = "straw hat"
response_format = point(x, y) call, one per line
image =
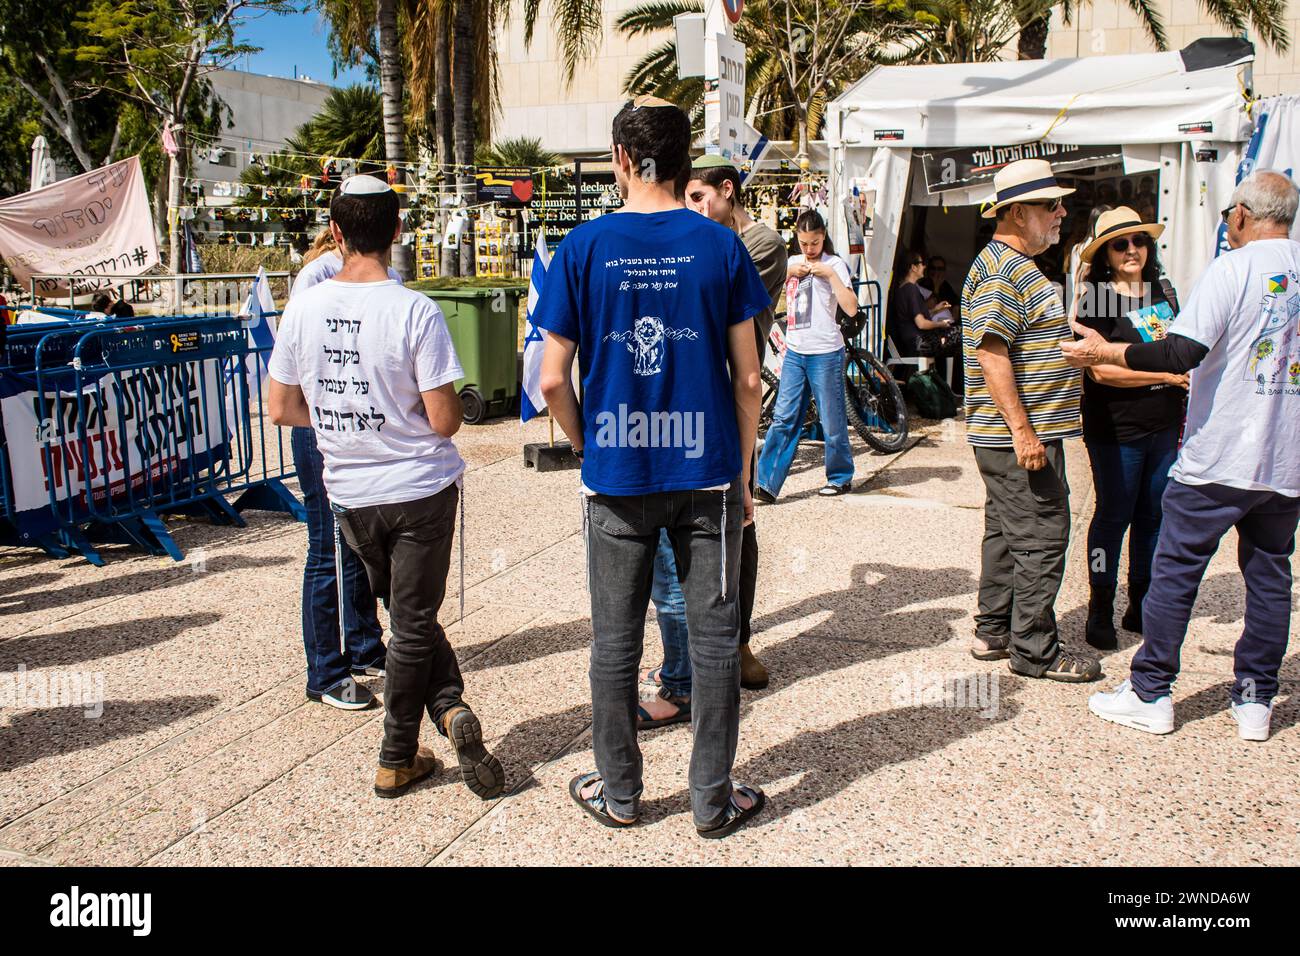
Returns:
point(1025, 180)
point(1120, 221)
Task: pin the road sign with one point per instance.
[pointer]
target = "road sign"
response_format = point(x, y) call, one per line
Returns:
point(733, 9)
point(731, 94)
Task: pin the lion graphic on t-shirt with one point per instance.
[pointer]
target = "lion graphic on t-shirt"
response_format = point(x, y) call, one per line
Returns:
point(646, 341)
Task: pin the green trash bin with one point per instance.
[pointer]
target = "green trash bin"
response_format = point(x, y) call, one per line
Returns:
point(484, 326)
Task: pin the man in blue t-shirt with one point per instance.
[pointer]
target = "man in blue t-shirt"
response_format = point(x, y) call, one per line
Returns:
point(655, 301)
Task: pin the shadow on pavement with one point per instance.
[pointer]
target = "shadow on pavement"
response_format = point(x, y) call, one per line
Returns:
point(527, 645)
point(23, 582)
point(113, 584)
point(915, 475)
point(53, 731)
point(865, 624)
point(98, 641)
point(829, 761)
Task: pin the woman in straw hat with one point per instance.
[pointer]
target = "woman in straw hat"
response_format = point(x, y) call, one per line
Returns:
point(1131, 420)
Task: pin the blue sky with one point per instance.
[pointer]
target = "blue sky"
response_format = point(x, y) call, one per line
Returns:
point(298, 40)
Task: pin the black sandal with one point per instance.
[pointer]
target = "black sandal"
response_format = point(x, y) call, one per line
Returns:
point(595, 804)
point(683, 704)
point(735, 817)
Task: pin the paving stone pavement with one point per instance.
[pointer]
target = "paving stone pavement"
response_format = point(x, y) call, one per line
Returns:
point(207, 753)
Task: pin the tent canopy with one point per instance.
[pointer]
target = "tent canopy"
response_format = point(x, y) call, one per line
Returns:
point(1192, 95)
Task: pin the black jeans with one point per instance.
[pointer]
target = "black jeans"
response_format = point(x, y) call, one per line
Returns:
point(406, 548)
point(623, 535)
point(1026, 532)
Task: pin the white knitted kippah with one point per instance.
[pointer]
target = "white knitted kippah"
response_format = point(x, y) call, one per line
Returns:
point(363, 186)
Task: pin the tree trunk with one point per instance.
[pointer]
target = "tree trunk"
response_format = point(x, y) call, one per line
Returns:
point(390, 87)
point(802, 158)
point(1033, 37)
point(463, 52)
point(442, 109)
point(173, 203)
point(160, 183)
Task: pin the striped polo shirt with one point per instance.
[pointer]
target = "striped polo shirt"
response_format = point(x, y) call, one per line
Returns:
point(1006, 295)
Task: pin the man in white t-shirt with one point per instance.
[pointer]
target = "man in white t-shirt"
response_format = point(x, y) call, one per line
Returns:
point(370, 366)
point(1239, 465)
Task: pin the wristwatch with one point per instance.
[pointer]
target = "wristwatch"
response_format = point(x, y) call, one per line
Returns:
point(578, 453)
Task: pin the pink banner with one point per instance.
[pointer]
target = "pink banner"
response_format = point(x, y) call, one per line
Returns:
point(96, 224)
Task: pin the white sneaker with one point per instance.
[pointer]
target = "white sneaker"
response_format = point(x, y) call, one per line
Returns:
point(1123, 706)
point(1252, 720)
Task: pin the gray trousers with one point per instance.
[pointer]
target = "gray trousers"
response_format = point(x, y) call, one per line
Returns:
point(622, 536)
point(1026, 533)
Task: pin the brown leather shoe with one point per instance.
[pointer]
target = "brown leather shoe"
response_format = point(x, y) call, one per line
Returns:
point(479, 770)
point(753, 675)
point(395, 781)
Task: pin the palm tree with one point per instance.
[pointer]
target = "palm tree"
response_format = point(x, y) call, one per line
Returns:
point(350, 123)
point(1266, 17)
point(519, 151)
point(579, 28)
point(786, 91)
point(956, 31)
point(391, 74)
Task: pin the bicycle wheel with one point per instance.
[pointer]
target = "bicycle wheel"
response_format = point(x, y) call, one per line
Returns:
point(874, 402)
point(771, 387)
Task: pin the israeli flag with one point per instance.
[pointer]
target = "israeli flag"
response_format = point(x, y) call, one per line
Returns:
point(531, 402)
point(750, 147)
point(260, 303)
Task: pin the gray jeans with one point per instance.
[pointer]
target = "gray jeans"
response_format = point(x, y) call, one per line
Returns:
point(1026, 533)
point(622, 536)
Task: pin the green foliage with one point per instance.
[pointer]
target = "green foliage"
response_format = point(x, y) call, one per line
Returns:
point(19, 115)
point(520, 151)
point(227, 257)
point(350, 123)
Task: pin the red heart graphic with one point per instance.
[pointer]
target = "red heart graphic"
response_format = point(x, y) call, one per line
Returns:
point(523, 189)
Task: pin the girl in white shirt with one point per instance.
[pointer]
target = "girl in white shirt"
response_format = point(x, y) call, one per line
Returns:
point(813, 367)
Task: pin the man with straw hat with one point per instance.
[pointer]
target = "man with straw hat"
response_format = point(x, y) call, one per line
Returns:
point(1022, 402)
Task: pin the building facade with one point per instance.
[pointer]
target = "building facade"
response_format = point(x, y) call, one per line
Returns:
point(572, 120)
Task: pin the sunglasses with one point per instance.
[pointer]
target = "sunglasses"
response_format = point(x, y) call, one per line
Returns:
point(1121, 244)
point(1229, 211)
point(1051, 205)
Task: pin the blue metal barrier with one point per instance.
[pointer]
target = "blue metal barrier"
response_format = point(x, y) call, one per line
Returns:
point(872, 336)
point(114, 424)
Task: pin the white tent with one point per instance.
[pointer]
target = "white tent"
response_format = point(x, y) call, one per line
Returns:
point(1178, 115)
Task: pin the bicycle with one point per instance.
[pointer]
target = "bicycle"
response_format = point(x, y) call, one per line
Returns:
point(873, 401)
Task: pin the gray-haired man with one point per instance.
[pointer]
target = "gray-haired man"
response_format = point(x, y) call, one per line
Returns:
point(1240, 461)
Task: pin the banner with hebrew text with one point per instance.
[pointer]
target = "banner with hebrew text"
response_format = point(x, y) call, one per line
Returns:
point(96, 225)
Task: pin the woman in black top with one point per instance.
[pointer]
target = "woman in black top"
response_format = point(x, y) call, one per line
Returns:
point(1131, 420)
point(911, 318)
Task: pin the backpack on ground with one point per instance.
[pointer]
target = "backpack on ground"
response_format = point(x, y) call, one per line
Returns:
point(932, 395)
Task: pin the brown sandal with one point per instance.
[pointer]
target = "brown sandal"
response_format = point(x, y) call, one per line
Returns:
point(994, 648)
